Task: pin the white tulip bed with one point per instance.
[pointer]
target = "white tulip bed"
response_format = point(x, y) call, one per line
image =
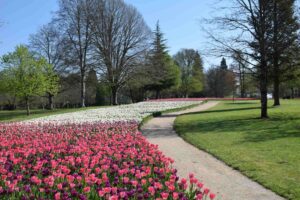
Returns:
point(123, 113)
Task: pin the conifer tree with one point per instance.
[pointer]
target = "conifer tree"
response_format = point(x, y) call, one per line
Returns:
point(163, 72)
point(283, 43)
point(197, 74)
point(223, 64)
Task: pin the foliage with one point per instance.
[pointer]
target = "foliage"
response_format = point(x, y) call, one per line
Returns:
point(284, 43)
point(102, 94)
point(220, 82)
point(290, 88)
point(264, 150)
point(26, 77)
point(191, 67)
point(51, 79)
point(162, 71)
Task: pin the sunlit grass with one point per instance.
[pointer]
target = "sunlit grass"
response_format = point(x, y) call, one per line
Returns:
point(268, 151)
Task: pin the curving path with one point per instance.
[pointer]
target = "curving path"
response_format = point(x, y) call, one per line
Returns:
point(226, 182)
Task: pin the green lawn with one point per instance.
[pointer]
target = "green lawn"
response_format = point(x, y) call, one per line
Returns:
point(267, 151)
point(19, 115)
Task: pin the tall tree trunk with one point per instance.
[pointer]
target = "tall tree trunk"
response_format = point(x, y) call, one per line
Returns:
point(276, 91)
point(157, 94)
point(27, 106)
point(276, 55)
point(264, 91)
point(114, 91)
point(292, 93)
point(131, 95)
point(263, 68)
point(83, 90)
point(50, 101)
point(243, 90)
point(241, 81)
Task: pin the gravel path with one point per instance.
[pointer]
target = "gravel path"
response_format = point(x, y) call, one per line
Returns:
point(226, 182)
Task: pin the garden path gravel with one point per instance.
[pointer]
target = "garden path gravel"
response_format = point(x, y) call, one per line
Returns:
point(227, 183)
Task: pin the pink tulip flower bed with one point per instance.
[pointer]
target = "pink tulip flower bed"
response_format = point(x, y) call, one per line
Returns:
point(88, 161)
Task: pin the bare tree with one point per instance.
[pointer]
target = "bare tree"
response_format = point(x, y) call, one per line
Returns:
point(248, 25)
point(48, 42)
point(120, 37)
point(239, 67)
point(75, 19)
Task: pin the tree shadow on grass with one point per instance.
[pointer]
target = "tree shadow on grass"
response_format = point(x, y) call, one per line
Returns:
point(241, 103)
point(223, 110)
point(253, 129)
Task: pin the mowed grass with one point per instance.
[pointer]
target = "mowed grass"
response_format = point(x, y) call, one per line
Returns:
point(267, 151)
point(20, 115)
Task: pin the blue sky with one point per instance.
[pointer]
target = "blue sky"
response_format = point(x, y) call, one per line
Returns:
point(179, 20)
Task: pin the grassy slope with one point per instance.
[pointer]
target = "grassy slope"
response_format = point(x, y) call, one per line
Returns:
point(19, 115)
point(267, 151)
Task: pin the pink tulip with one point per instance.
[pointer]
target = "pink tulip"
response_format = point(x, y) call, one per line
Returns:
point(57, 196)
point(175, 195)
point(86, 189)
point(164, 195)
point(151, 190)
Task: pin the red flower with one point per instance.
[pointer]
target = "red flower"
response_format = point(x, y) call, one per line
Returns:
point(164, 195)
point(87, 189)
point(206, 191)
point(212, 196)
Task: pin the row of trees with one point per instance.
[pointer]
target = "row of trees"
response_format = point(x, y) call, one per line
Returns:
point(95, 52)
point(103, 43)
point(263, 34)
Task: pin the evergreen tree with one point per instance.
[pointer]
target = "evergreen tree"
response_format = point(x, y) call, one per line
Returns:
point(197, 75)
point(223, 64)
point(283, 43)
point(163, 72)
